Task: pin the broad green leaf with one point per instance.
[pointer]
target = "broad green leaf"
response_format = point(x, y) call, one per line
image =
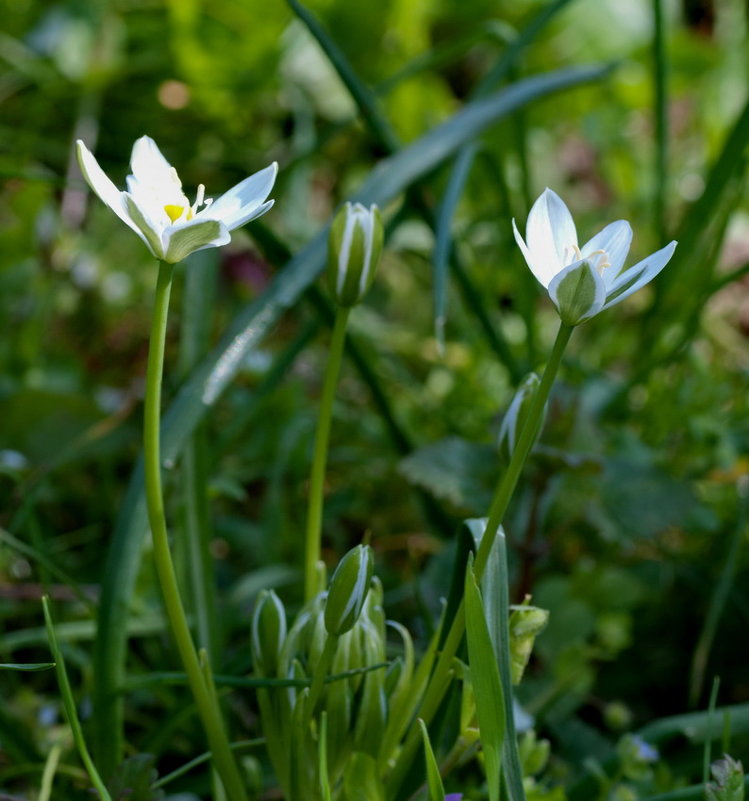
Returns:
point(487, 685)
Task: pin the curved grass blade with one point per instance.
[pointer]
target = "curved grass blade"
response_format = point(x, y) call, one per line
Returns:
point(29, 667)
point(217, 370)
point(443, 240)
point(363, 96)
point(69, 705)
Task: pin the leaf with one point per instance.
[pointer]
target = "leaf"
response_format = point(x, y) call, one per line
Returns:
point(133, 779)
point(436, 790)
point(487, 685)
point(30, 667)
point(360, 779)
point(454, 470)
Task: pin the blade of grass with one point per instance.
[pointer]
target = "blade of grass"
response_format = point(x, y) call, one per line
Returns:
point(240, 745)
point(487, 685)
point(32, 553)
point(696, 791)
point(443, 237)
point(706, 755)
point(660, 113)
point(718, 600)
point(674, 284)
point(365, 98)
point(69, 705)
point(48, 776)
point(216, 371)
point(436, 790)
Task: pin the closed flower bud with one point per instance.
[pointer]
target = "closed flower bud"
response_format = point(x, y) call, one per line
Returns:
point(526, 622)
point(348, 590)
point(354, 248)
point(517, 414)
point(268, 632)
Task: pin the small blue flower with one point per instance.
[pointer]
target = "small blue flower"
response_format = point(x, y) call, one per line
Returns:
point(645, 751)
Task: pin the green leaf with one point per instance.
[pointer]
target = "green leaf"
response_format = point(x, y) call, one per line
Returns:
point(30, 667)
point(436, 790)
point(361, 781)
point(487, 685)
point(246, 331)
point(454, 470)
point(134, 778)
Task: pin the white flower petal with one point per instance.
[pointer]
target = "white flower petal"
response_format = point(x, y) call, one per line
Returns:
point(149, 231)
point(239, 204)
point(615, 239)
point(550, 234)
point(185, 238)
point(149, 165)
point(636, 277)
point(106, 191)
point(543, 276)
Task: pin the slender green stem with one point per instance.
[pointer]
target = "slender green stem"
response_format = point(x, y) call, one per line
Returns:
point(319, 459)
point(441, 676)
point(660, 60)
point(68, 703)
point(208, 709)
point(318, 678)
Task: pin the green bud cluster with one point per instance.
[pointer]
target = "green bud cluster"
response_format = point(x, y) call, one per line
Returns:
point(348, 617)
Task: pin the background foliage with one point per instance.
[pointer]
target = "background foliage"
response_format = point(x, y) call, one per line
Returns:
point(630, 526)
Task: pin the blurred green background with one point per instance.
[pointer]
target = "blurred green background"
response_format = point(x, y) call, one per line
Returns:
point(631, 523)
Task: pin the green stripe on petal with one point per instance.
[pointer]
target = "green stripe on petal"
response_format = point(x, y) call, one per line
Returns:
point(186, 239)
point(578, 292)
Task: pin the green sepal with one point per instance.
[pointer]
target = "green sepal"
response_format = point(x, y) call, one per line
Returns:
point(579, 294)
point(348, 590)
point(268, 633)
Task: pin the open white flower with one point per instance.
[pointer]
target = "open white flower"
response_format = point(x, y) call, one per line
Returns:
point(156, 208)
point(582, 281)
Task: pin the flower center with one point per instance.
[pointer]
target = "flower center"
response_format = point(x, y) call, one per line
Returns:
point(572, 253)
point(174, 212)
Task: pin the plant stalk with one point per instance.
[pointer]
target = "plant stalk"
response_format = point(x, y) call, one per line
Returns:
point(208, 709)
point(441, 676)
point(319, 459)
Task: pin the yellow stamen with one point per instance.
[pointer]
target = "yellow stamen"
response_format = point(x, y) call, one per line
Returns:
point(174, 212)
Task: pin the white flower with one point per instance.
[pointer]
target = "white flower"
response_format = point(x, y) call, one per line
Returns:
point(583, 281)
point(156, 208)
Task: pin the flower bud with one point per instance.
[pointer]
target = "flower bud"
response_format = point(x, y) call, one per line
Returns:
point(526, 622)
point(348, 590)
point(517, 414)
point(354, 248)
point(268, 632)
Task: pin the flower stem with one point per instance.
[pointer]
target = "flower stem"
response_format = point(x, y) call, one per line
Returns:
point(319, 459)
point(207, 707)
point(501, 500)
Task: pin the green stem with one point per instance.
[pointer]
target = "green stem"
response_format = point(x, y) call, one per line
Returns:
point(319, 676)
point(209, 713)
point(319, 459)
point(441, 676)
